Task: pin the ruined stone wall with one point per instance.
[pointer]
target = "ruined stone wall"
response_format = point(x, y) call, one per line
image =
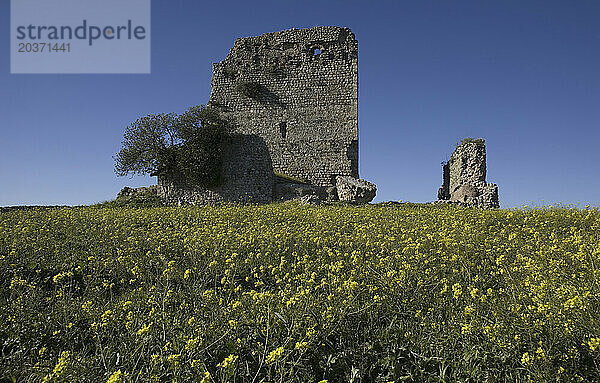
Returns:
point(291, 98)
point(298, 90)
point(464, 177)
point(247, 177)
point(467, 165)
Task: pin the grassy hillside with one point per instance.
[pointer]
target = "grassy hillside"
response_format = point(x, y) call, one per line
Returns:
point(296, 293)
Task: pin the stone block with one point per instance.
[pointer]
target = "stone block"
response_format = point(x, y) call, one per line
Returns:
point(355, 190)
point(293, 191)
point(464, 193)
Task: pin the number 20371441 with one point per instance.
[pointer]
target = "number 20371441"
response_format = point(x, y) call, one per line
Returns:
point(44, 47)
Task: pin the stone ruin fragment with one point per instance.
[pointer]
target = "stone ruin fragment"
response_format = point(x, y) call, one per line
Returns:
point(464, 177)
point(354, 190)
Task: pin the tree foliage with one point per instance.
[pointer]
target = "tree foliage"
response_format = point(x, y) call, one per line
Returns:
point(146, 143)
point(166, 144)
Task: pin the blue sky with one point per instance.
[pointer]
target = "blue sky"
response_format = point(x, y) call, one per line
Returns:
point(522, 74)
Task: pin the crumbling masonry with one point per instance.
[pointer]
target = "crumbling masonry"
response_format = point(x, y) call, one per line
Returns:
point(292, 98)
point(464, 177)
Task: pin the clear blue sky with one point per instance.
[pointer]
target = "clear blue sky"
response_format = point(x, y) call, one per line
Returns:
point(525, 75)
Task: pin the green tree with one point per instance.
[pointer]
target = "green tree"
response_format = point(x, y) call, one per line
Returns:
point(147, 145)
point(200, 157)
point(167, 144)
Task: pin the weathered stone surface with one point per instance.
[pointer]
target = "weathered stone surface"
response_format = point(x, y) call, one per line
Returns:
point(465, 193)
point(464, 177)
point(132, 192)
point(444, 190)
point(247, 177)
point(286, 191)
point(292, 191)
point(354, 190)
point(489, 197)
point(306, 106)
point(332, 194)
point(467, 166)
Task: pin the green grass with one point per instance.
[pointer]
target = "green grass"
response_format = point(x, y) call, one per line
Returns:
point(292, 293)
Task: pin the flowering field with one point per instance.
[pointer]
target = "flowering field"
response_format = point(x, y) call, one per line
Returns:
point(290, 293)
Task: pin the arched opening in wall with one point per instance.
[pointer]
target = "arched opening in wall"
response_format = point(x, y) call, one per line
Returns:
point(316, 50)
point(283, 129)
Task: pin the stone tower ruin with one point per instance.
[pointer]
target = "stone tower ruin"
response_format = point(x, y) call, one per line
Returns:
point(306, 101)
point(464, 177)
point(292, 99)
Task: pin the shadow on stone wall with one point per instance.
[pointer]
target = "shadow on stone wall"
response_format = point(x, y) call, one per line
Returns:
point(247, 175)
point(270, 98)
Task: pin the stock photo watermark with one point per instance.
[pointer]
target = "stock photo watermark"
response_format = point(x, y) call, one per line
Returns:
point(80, 36)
